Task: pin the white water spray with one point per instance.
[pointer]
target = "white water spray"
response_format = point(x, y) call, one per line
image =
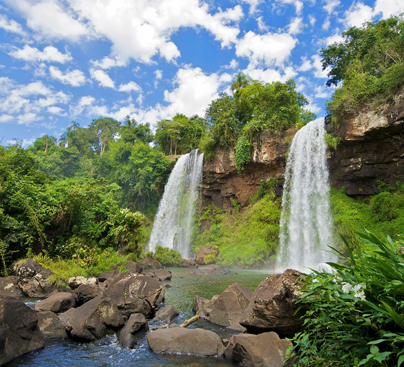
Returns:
point(175, 216)
point(306, 224)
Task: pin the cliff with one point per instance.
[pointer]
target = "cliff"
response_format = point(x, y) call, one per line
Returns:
point(371, 149)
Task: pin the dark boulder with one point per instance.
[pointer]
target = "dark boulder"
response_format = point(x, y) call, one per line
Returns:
point(226, 308)
point(34, 279)
point(162, 274)
point(9, 287)
point(133, 330)
point(264, 350)
point(106, 275)
point(178, 340)
point(167, 314)
point(93, 320)
point(273, 308)
point(133, 267)
point(19, 331)
point(148, 263)
point(50, 325)
point(56, 302)
point(86, 292)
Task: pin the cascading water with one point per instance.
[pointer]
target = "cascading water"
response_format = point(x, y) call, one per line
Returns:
point(306, 224)
point(175, 216)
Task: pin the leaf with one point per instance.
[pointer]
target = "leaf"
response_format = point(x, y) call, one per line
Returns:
point(400, 360)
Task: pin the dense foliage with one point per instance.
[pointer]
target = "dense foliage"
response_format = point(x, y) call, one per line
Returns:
point(355, 315)
point(370, 63)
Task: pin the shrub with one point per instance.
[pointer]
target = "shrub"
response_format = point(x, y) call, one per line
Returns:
point(243, 153)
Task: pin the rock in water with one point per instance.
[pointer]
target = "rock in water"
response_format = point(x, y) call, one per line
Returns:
point(50, 325)
point(9, 287)
point(56, 302)
point(167, 314)
point(19, 331)
point(272, 307)
point(130, 334)
point(178, 340)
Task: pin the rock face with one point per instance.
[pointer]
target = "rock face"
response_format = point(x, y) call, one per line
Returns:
point(226, 308)
point(34, 279)
point(179, 340)
point(264, 350)
point(272, 307)
point(9, 287)
point(19, 331)
point(56, 302)
point(371, 149)
point(50, 325)
point(93, 320)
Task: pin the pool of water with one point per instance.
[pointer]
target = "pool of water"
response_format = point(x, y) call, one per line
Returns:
point(108, 352)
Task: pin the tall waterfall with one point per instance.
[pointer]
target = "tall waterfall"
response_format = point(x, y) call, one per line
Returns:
point(175, 216)
point(306, 224)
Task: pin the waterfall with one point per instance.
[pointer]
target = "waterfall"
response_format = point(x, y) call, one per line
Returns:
point(175, 216)
point(306, 223)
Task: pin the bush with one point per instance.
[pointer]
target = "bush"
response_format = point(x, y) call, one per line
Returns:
point(167, 256)
point(243, 153)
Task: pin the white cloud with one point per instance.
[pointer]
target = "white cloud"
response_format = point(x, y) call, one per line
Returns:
point(24, 143)
point(335, 38)
point(318, 67)
point(261, 25)
point(306, 64)
point(297, 3)
point(54, 110)
point(83, 103)
point(253, 5)
point(158, 74)
point(322, 92)
point(326, 24)
point(75, 78)
point(295, 26)
point(270, 75)
point(49, 54)
point(108, 63)
point(232, 65)
point(10, 25)
point(102, 78)
point(6, 118)
point(330, 6)
point(357, 14)
point(312, 20)
point(27, 118)
point(129, 87)
point(389, 8)
point(267, 49)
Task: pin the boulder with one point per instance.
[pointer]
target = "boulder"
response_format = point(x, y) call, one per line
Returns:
point(133, 267)
point(50, 325)
point(9, 287)
point(34, 279)
point(93, 320)
point(135, 293)
point(264, 350)
point(131, 333)
point(184, 263)
point(162, 274)
point(76, 282)
point(226, 308)
point(19, 331)
point(167, 314)
point(178, 340)
point(86, 292)
point(106, 275)
point(209, 249)
point(272, 307)
point(211, 269)
point(56, 302)
point(148, 263)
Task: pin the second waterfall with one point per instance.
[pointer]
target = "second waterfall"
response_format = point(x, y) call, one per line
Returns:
point(306, 225)
point(175, 216)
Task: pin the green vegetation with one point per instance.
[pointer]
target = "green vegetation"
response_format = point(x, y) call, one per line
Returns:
point(164, 255)
point(369, 62)
point(355, 316)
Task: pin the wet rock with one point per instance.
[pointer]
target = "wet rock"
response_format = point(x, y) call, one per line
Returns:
point(148, 263)
point(93, 320)
point(19, 331)
point(264, 350)
point(179, 340)
point(210, 249)
point(56, 302)
point(34, 279)
point(50, 325)
point(86, 292)
point(272, 307)
point(226, 308)
point(9, 287)
point(211, 269)
point(167, 314)
point(75, 282)
point(162, 274)
point(133, 331)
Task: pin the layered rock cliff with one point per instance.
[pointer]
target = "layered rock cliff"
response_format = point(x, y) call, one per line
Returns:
point(371, 149)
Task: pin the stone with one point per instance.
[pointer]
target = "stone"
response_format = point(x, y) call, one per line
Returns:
point(211, 269)
point(210, 249)
point(263, 350)
point(133, 331)
point(106, 275)
point(273, 308)
point(135, 293)
point(178, 340)
point(167, 314)
point(162, 274)
point(9, 287)
point(75, 282)
point(226, 308)
point(93, 320)
point(184, 263)
point(34, 279)
point(148, 263)
point(56, 302)
point(86, 292)
point(19, 331)
point(50, 325)
point(133, 267)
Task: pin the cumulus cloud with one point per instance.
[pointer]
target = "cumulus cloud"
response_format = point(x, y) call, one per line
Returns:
point(49, 54)
point(130, 87)
point(295, 26)
point(389, 8)
point(158, 74)
point(271, 75)
point(253, 5)
point(261, 25)
point(103, 79)
point(75, 78)
point(297, 4)
point(330, 6)
point(108, 63)
point(357, 14)
point(10, 25)
point(268, 49)
point(312, 20)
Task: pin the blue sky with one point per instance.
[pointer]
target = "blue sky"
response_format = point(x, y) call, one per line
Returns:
point(78, 60)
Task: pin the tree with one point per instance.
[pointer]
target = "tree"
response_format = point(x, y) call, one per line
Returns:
point(106, 129)
point(132, 132)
